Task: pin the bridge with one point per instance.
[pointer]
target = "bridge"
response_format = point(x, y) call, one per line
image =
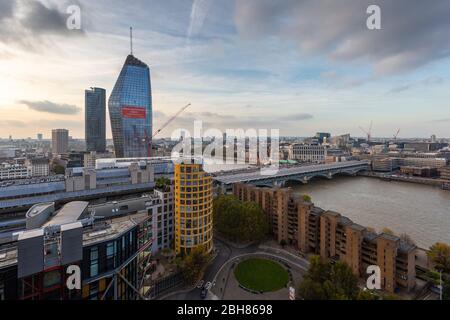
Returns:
point(296, 173)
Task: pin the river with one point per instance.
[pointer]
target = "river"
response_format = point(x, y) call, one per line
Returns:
point(421, 211)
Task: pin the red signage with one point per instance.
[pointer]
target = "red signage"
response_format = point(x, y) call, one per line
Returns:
point(133, 112)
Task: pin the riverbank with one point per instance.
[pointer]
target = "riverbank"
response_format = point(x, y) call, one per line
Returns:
point(394, 177)
point(421, 211)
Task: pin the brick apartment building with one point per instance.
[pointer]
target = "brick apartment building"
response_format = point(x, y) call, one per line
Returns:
point(333, 236)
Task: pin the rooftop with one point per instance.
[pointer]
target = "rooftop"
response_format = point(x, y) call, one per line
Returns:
point(71, 212)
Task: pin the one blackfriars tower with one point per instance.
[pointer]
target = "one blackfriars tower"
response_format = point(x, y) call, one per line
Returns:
point(130, 110)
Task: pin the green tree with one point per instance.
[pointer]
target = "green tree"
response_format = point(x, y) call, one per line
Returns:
point(306, 198)
point(192, 264)
point(283, 243)
point(328, 281)
point(239, 221)
point(58, 169)
point(439, 254)
point(162, 182)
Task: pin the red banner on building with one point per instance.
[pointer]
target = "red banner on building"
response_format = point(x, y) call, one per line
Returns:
point(133, 112)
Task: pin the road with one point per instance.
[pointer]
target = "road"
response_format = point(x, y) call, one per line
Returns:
point(227, 253)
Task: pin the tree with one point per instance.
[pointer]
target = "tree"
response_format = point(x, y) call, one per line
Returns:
point(283, 243)
point(162, 182)
point(58, 169)
point(239, 221)
point(192, 264)
point(328, 281)
point(439, 254)
point(306, 198)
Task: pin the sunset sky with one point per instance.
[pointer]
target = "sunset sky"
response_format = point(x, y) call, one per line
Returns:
point(300, 66)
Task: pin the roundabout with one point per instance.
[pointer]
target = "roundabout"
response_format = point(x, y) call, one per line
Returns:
point(261, 275)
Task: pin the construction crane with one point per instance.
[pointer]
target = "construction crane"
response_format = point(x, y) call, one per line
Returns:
point(148, 139)
point(396, 134)
point(368, 132)
point(170, 120)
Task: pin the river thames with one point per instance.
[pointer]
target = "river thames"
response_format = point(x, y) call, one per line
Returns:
point(421, 211)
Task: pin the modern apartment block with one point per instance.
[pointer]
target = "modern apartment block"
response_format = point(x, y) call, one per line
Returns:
point(112, 243)
point(332, 236)
point(193, 208)
point(60, 141)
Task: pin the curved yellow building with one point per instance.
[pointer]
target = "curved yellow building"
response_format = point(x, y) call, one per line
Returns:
point(193, 208)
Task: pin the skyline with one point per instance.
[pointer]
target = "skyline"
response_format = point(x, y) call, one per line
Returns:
point(335, 75)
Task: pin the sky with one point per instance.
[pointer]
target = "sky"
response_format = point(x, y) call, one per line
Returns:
point(300, 66)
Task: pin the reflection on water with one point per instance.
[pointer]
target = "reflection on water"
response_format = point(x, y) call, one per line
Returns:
point(421, 211)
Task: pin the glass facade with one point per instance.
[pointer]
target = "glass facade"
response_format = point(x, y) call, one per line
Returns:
point(95, 119)
point(130, 110)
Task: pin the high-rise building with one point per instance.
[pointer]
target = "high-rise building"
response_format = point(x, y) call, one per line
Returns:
point(130, 110)
point(60, 141)
point(193, 208)
point(39, 136)
point(95, 119)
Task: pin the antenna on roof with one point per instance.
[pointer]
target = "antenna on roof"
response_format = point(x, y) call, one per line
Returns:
point(131, 40)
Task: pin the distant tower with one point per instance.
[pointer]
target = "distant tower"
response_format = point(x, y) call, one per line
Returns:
point(95, 119)
point(39, 136)
point(60, 141)
point(433, 138)
point(130, 109)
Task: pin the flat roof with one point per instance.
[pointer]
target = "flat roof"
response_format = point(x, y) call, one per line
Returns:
point(69, 213)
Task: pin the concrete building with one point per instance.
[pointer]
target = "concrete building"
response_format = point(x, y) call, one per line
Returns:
point(39, 167)
point(60, 141)
point(193, 208)
point(14, 171)
point(307, 153)
point(333, 236)
point(90, 158)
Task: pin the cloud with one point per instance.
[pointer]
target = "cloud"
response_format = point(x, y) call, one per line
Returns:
point(28, 23)
point(430, 81)
point(297, 117)
point(414, 32)
point(12, 123)
point(51, 107)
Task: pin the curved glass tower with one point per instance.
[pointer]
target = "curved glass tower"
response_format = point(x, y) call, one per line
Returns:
point(130, 110)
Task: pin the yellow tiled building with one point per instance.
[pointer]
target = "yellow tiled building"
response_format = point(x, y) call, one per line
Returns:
point(193, 208)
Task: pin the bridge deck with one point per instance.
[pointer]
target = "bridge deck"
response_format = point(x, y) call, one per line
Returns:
point(291, 171)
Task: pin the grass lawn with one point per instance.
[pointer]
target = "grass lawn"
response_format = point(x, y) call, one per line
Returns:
point(261, 275)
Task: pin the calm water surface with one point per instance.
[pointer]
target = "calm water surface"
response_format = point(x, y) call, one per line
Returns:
point(421, 211)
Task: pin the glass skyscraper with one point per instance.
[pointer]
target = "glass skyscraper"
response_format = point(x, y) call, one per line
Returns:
point(95, 119)
point(130, 110)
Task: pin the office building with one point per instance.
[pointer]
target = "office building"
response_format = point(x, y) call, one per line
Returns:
point(307, 153)
point(112, 243)
point(332, 236)
point(130, 110)
point(39, 136)
point(95, 119)
point(193, 208)
point(60, 141)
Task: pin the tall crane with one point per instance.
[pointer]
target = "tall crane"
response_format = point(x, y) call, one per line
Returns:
point(166, 124)
point(170, 120)
point(396, 134)
point(368, 132)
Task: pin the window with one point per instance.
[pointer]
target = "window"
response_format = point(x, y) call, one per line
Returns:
point(110, 255)
point(94, 261)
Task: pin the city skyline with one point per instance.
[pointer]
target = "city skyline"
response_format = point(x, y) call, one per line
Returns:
point(333, 76)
